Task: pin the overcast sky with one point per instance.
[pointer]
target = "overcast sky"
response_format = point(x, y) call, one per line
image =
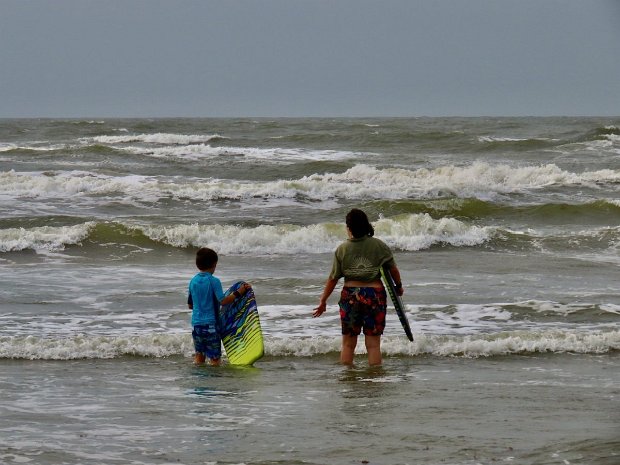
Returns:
point(80, 58)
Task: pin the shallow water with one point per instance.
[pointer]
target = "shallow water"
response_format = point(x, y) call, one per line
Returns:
point(552, 409)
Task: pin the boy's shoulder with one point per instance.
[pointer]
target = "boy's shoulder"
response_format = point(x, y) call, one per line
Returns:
point(201, 276)
point(205, 276)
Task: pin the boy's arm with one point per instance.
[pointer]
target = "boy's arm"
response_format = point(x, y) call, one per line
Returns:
point(190, 301)
point(230, 298)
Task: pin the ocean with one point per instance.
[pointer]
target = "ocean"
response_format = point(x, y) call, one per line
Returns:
point(506, 232)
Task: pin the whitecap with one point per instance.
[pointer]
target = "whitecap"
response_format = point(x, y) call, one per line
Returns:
point(43, 237)
point(406, 232)
point(157, 138)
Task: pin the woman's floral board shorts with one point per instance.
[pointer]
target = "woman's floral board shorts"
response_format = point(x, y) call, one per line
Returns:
point(362, 308)
point(207, 341)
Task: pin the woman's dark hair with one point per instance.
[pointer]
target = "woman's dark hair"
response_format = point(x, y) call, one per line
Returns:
point(358, 224)
point(206, 258)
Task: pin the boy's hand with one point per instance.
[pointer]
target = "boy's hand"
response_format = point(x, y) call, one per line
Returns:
point(243, 289)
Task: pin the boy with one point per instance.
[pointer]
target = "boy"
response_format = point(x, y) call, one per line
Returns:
point(204, 299)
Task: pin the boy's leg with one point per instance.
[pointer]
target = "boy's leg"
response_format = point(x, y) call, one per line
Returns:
point(207, 344)
point(199, 336)
point(213, 347)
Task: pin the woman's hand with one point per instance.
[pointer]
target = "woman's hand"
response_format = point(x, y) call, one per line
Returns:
point(329, 288)
point(319, 310)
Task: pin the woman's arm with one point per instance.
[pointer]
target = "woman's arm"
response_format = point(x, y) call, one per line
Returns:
point(397, 279)
point(330, 284)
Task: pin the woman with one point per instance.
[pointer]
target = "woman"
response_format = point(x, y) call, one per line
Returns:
point(363, 298)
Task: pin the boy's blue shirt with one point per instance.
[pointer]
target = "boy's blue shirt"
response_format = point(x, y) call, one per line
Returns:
point(204, 289)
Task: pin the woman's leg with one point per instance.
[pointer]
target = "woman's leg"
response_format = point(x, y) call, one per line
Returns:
point(348, 349)
point(373, 347)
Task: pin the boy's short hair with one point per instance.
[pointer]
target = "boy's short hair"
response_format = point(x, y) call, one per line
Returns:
point(206, 258)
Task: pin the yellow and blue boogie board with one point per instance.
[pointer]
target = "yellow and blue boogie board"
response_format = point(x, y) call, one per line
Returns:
point(239, 328)
point(398, 303)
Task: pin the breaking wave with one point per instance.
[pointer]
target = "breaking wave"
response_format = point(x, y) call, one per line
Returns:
point(158, 138)
point(364, 182)
point(406, 232)
point(180, 344)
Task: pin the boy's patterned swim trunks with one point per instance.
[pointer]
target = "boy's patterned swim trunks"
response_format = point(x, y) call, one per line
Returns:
point(207, 341)
point(362, 307)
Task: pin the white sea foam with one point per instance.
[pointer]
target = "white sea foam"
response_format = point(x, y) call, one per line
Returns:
point(409, 232)
point(158, 138)
point(506, 343)
point(193, 147)
point(476, 180)
point(491, 139)
point(360, 182)
point(406, 232)
point(366, 182)
point(264, 239)
point(275, 155)
point(43, 238)
point(164, 345)
point(610, 143)
point(463, 319)
point(75, 183)
point(420, 231)
point(451, 320)
point(83, 346)
point(35, 148)
point(611, 308)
